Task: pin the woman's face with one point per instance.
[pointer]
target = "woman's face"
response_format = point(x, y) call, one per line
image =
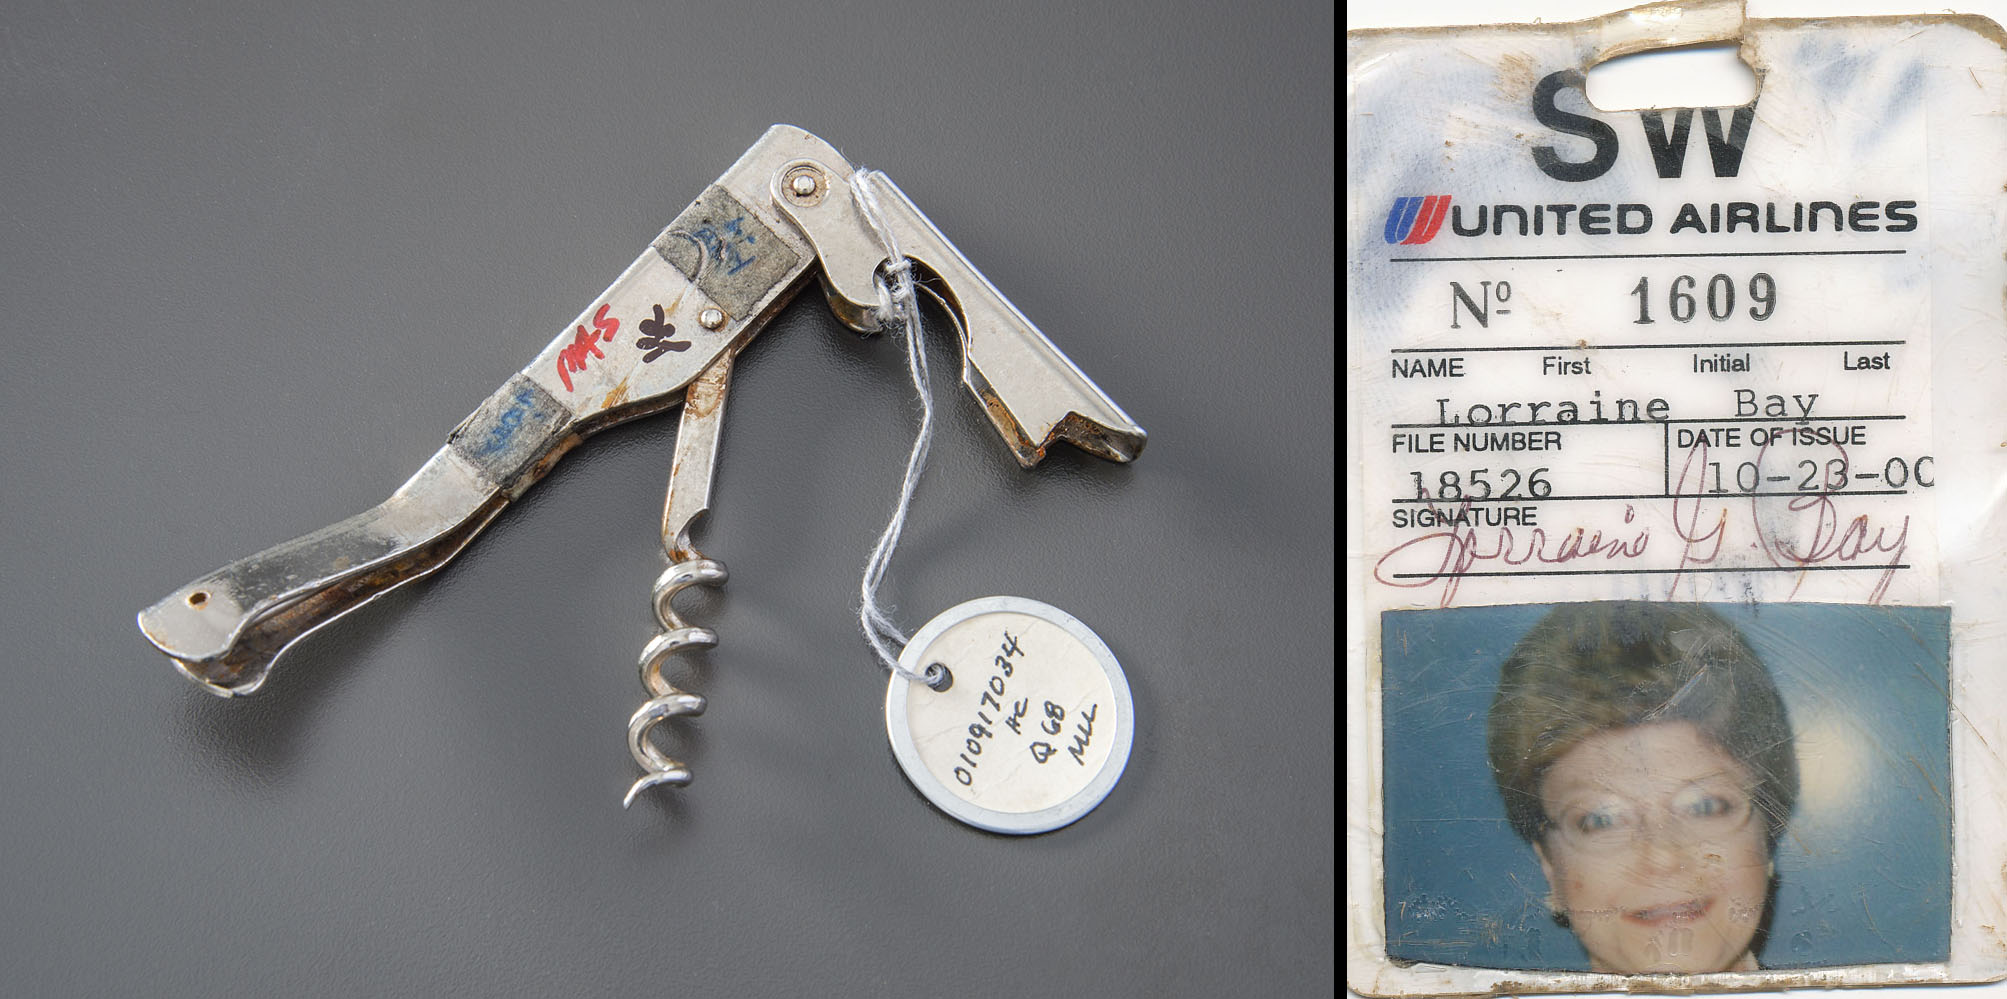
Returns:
point(1653, 851)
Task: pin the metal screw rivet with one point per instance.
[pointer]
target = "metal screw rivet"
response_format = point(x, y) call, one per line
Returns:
point(802, 185)
point(710, 319)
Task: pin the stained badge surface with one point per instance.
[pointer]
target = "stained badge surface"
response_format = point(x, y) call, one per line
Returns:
point(1679, 436)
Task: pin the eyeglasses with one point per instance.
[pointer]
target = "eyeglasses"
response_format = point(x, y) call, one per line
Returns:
point(1698, 812)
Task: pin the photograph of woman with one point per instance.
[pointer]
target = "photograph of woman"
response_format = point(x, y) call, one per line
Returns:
point(1645, 755)
point(1652, 788)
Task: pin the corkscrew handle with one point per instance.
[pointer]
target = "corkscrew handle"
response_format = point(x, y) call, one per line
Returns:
point(699, 291)
point(225, 629)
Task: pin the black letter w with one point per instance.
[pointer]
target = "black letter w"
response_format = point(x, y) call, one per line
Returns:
point(1669, 151)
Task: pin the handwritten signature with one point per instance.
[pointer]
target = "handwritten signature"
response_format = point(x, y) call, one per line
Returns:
point(1800, 531)
point(1454, 552)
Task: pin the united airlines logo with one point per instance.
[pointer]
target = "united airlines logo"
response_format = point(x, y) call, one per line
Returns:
point(1413, 221)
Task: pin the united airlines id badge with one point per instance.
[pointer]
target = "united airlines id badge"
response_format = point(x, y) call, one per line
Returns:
point(1678, 660)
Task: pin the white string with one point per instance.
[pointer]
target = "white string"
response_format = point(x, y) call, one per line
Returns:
point(898, 307)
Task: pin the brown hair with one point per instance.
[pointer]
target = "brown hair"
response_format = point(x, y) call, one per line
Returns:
point(1592, 667)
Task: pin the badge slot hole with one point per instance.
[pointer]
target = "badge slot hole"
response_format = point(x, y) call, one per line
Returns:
point(1688, 76)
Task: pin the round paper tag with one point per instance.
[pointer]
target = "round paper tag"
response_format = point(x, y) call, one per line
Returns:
point(1034, 728)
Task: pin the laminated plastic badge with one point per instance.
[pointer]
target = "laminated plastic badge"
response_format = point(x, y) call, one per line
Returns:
point(1678, 554)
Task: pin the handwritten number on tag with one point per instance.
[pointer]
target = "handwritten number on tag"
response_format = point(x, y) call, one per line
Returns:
point(1054, 715)
point(991, 698)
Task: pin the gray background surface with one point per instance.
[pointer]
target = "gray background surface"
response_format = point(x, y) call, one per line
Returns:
point(260, 258)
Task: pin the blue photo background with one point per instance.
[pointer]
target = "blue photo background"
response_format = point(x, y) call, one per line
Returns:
point(1864, 866)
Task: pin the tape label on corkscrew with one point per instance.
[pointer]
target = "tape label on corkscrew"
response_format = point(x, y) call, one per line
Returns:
point(1678, 437)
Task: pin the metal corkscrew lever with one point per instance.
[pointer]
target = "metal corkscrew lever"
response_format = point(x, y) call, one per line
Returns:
point(666, 331)
point(689, 498)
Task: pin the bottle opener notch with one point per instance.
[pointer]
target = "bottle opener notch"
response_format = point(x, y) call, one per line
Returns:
point(1032, 393)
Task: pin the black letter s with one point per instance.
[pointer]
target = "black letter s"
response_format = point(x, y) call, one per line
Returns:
point(1548, 114)
point(1899, 215)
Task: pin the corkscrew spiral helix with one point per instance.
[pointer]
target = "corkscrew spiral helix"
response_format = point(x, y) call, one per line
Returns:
point(667, 701)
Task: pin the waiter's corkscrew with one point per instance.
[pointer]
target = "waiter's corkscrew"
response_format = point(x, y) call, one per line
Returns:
point(666, 332)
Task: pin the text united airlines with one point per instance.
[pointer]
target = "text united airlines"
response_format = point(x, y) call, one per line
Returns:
point(1630, 219)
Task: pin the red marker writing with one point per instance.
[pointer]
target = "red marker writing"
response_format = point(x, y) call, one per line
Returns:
point(586, 344)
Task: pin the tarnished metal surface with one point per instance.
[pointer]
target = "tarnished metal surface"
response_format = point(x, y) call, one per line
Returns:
point(690, 479)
